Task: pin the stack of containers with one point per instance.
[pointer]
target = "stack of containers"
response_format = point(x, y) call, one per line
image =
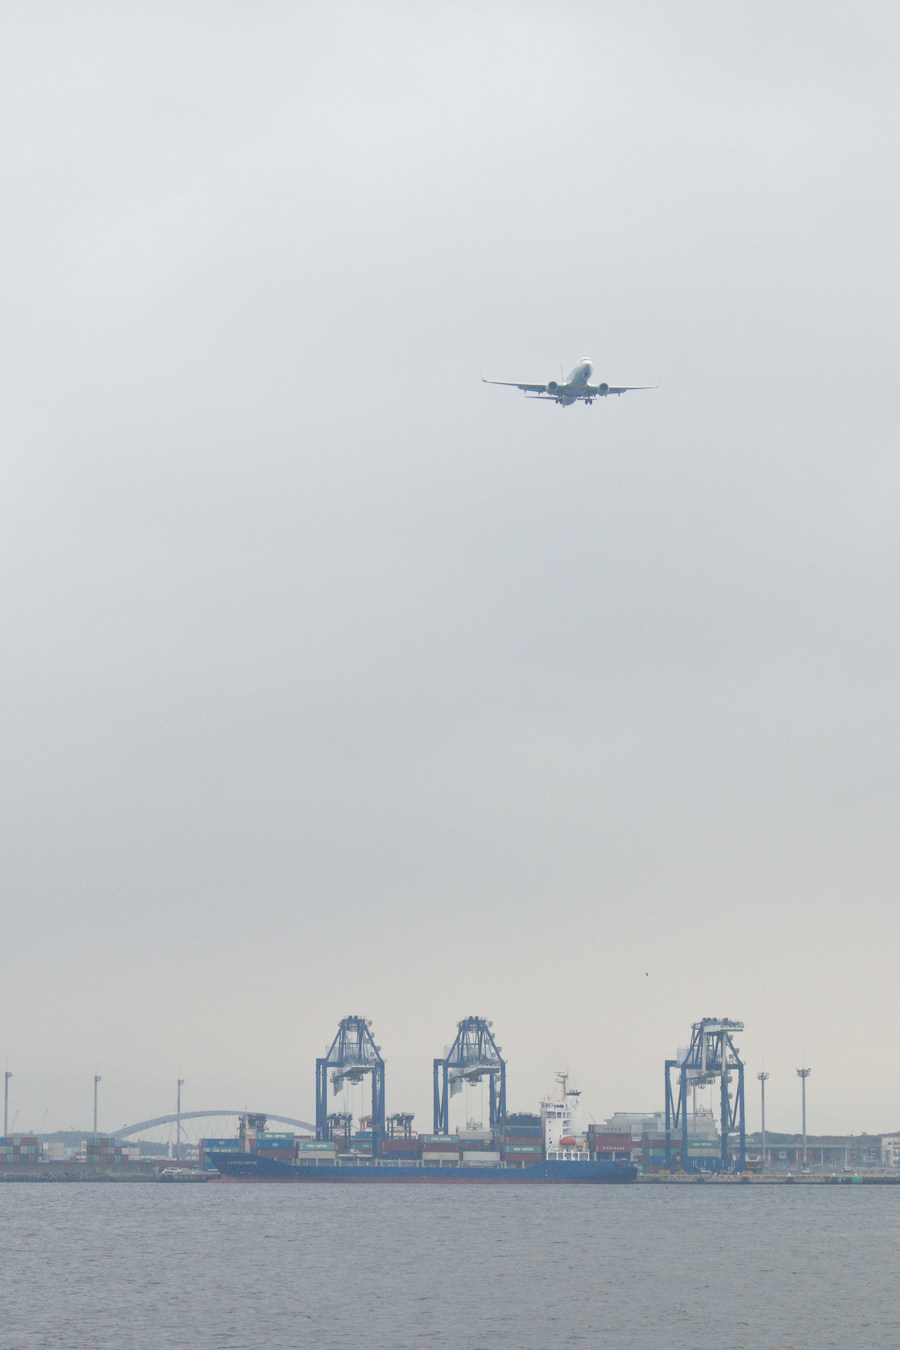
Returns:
point(440, 1148)
point(522, 1142)
point(476, 1139)
point(400, 1148)
point(218, 1146)
point(280, 1146)
point(655, 1152)
point(315, 1150)
point(704, 1153)
point(478, 1146)
point(101, 1149)
point(20, 1148)
point(613, 1145)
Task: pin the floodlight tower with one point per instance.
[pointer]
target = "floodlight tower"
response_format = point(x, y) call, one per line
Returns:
point(6, 1077)
point(178, 1120)
point(473, 1055)
point(762, 1090)
point(803, 1074)
point(353, 1054)
point(97, 1079)
point(712, 1054)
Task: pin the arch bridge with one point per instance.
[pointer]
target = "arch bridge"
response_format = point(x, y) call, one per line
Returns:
point(127, 1130)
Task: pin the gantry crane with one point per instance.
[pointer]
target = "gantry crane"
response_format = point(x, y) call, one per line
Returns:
point(712, 1054)
point(473, 1055)
point(353, 1054)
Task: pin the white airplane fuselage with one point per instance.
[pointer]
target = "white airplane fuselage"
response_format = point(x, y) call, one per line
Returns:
point(574, 387)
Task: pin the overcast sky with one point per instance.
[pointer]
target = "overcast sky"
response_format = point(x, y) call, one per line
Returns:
point(336, 681)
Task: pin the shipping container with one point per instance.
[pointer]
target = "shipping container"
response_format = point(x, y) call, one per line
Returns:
point(442, 1156)
point(481, 1155)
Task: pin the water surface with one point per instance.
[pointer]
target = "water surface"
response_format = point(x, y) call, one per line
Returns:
point(230, 1267)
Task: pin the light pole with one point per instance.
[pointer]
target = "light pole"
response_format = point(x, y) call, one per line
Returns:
point(803, 1074)
point(178, 1121)
point(762, 1089)
point(96, 1081)
point(6, 1077)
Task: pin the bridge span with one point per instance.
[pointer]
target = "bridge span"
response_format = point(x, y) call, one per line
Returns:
point(127, 1130)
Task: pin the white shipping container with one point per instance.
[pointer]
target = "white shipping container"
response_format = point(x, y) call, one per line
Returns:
point(480, 1156)
point(445, 1155)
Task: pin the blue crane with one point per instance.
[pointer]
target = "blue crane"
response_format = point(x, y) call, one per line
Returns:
point(352, 1056)
point(472, 1056)
point(712, 1054)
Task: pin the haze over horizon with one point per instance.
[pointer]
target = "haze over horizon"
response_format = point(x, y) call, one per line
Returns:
point(337, 682)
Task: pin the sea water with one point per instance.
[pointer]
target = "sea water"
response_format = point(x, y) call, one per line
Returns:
point(232, 1267)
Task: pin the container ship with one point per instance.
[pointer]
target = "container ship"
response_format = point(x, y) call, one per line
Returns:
point(255, 1167)
point(523, 1150)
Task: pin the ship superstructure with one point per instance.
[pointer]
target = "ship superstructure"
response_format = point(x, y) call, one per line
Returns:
point(563, 1132)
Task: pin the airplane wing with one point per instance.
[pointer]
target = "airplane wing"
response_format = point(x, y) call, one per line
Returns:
point(602, 390)
point(511, 384)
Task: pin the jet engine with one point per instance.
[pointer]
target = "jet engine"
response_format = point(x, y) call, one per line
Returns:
point(603, 389)
point(552, 387)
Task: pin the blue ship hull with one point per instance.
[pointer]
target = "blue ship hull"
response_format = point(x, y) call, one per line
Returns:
point(252, 1167)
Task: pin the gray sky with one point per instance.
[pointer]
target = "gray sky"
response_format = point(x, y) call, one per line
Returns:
point(338, 682)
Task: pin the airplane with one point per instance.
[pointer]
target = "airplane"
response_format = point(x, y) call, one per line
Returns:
point(576, 388)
